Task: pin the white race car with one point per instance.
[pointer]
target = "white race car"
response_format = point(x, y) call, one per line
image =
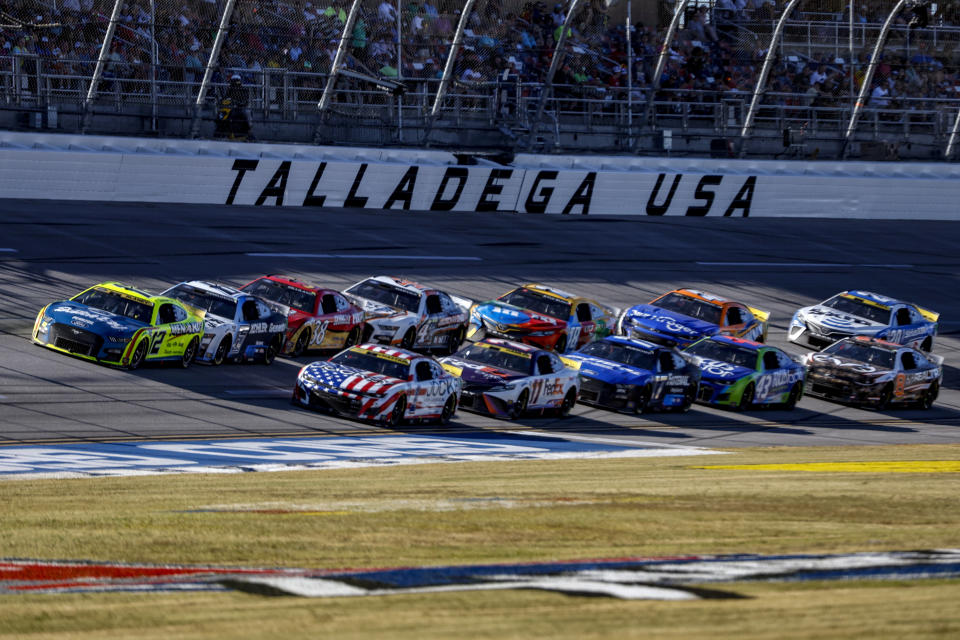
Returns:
point(506, 379)
point(379, 383)
point(406, 314)
point(237, 326)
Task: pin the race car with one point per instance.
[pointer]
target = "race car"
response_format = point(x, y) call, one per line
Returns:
point(683, 316)
point(317, 318)
point(239, 327)
point(632, 375)
point(872, 372)
point(120, 325)
point(507, 379)
point(404, 313)
point(378, 383)
point(862, 313)
point(743, 374)
point(542, 316)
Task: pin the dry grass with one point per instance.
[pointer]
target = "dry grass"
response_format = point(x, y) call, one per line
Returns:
point(493, 512)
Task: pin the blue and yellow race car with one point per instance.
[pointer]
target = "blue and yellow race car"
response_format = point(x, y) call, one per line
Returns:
point(633, 375)
point(119, 325)
point(743, 374)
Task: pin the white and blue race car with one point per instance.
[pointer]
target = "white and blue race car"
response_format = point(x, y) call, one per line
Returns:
point(862, 313)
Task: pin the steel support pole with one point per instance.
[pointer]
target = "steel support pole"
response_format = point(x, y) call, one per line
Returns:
point(211, 63)
point(761, 85)
point(662, 59)
point(451, 58)
point(952, 142)
point(338, 58)
point(101, 63)
point(558, 55)
point(868, 76)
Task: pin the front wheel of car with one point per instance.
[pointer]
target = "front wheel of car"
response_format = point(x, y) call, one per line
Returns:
point(139, 355)
point(449, 408)
point(408, 339)
point(930, 396)
point(561, 344)
point(520, 405)
point(927, 345)
point(794, 396)
point(746, 398)
point(189, 354)
point(301, 345)
point(395, 417)
point(567, 405)
point(221, 353)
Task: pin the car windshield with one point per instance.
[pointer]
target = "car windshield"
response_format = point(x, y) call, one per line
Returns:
point(858, 308)
point(282, 294)
point(622, 353)
point(388, 294)
point(688, 306)
point(870, 354)
point(100, 298)
point(729, 353)
point(359, 359)
point(496, 357)
point(223, 307)
point(538, 302)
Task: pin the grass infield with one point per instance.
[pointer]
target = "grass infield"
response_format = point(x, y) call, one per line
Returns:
point(473, 513)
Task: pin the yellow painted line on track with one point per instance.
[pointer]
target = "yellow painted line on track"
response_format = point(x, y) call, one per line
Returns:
point(902, 466)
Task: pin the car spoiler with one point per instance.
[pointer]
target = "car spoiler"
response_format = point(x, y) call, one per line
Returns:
point(763, 317)
point(932, 316)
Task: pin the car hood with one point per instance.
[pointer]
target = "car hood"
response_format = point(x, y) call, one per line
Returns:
point(373, 310)
point(608, 370)
point(476, 373)
point(845, 368)
point(337, 376)
point(719, 370)
point(670, 322)
point(828, 319)
point(90, 319)
point(503, 314)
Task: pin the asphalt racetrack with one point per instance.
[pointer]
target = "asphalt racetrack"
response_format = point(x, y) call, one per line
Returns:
point(52, 250)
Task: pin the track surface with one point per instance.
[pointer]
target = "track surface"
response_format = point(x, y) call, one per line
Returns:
point(52, 250)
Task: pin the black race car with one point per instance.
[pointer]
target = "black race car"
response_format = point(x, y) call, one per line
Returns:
point(873, 372)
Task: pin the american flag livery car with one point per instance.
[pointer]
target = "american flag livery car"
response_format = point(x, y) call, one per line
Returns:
point(507, 379)
point(317, 318)
point(542, 316)
point(238, 326)
point(681, 317)
point(378, 383)
point(862, 313)
point(403, 313)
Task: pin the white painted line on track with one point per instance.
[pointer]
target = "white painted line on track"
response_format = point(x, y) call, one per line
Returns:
point(7, 250)
point(803, 264)
point(619, 441)
point(363, 256)
point(279, 393)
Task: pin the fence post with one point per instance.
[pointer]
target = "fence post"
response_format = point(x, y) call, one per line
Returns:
point(448, 66)
point(337, 63)
point(662, 59)
point(101, 63)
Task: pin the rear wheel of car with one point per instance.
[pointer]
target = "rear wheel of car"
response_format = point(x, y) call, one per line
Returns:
point(189, 354)
point(567, 405)
point(793, 397)
point(746, 398)
point(301, 345)
point(354, 336)
point(221, 353)
point(886, 396)
point(449, 408)
point(455, 340)
point(930, 396)
point(561, 344)
point(139, 354)
point(408, 339)
point(642, 400)
point(366, 333)
point(395, 417)
point(520, 405)
point(270, 354)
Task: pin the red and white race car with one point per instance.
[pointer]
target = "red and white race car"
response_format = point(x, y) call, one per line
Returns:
point(317, 318)
point(409, 315)
point(379, 383)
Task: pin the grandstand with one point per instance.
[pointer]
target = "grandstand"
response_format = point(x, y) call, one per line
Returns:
point(874, 79)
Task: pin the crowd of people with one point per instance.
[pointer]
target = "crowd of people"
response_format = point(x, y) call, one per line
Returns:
point(716, 54)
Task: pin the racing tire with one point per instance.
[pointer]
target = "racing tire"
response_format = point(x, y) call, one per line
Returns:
point(561, 344)
point(353, 337)
point(930, 396)
point(520, 405)
point(567, 405)
point(408, 339)
point(886, 395)
point(794, 396)
point(642, 401)
point(139, 355)
point(395, 417)
point(449, 408)
point(689, 397)
point(301, 345)
point(189, 354)
point(746, 398)
point(366, 333)
point(270, 354)
point(927, 345)
point(221, 353)
point(455, 340)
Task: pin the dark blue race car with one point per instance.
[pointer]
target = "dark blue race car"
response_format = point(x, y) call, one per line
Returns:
point(633, 375)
